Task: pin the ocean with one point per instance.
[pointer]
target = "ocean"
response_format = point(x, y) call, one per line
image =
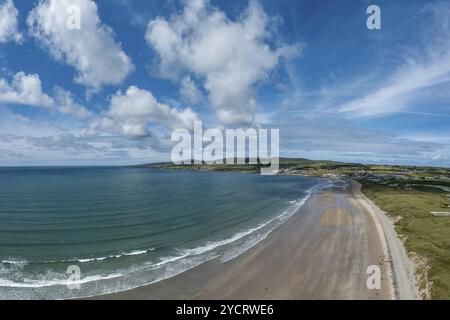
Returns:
point(125, 227)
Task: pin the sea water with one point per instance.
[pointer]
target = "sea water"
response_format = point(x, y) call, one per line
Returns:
point(125, 227)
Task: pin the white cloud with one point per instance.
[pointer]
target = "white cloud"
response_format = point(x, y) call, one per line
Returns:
point(66, 104)
point(425, 66)
point(403, 87)
point(24, 89)
point(320, 138)
point(8, 22)
point(231, 56)
point(131, 113)
point(91, 50)
point(189, 91)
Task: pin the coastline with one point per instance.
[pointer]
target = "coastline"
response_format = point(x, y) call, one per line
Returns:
point(321, 252)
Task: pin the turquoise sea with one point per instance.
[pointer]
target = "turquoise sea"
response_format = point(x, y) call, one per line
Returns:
point(127, 227)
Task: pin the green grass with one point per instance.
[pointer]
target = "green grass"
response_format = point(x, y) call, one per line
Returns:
point(426, 235)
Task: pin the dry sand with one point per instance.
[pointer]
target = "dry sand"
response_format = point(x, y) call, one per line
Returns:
point(402, 267)
point(323, 252)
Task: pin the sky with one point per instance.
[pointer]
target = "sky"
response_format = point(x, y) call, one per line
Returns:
point(110, 87)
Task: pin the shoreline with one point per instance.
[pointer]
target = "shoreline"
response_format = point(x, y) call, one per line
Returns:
point(321, 252)
point(402, 268)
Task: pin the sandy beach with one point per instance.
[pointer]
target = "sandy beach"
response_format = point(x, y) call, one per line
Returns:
point(322, 252)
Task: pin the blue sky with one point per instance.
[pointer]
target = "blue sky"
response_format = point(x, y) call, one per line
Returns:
point(112, 91)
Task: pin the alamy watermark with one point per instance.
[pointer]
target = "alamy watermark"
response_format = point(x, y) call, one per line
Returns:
point(374, 280)
point(236, 146)
point(73, 17)
point(74, 273)
point(374, 20)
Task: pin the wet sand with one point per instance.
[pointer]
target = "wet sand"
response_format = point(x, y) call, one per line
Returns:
point(322, 252)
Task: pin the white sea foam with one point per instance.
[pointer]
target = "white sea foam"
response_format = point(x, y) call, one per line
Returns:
point(137, 252)
point(115, 256)
point(15, 262)
point(112, 256)
point(34, 283)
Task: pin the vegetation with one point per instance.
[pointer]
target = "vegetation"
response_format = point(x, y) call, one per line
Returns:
point(299, 166)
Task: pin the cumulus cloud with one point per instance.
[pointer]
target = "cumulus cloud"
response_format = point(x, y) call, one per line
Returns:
point(91, 50)
point(66, 104)
point(131, 113)
point(231, 56)
point(24, 89)
point(8, 22)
